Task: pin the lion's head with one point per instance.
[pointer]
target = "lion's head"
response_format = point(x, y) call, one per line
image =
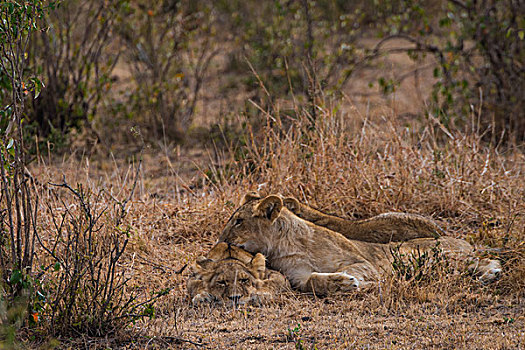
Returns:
point(229, 275)
point(248, 225)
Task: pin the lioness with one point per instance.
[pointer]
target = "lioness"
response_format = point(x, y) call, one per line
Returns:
point(231, 274)
point(383, 228)
point(316, 259)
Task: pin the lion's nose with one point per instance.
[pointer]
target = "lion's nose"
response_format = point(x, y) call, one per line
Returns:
point(235, 298)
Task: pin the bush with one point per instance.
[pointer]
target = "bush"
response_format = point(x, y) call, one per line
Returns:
point(18, 197)
point(479, 49)
point(169, 47)
point(75, 59)
point(82, 290)
point(309, 49)
point(79, 287)
point(296, 49)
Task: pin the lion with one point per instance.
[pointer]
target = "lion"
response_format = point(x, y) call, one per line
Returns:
point(383, 228)
point(231, 274)
point(319, 260)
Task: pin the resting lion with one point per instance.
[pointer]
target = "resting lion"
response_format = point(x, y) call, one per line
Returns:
point(316, 259)
point(231, 274)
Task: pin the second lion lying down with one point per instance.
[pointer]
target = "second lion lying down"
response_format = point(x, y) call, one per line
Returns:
point(229, 274)
point(317, 259)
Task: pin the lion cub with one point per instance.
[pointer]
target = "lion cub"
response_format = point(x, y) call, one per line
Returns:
point(316, 259)
point(231, 274)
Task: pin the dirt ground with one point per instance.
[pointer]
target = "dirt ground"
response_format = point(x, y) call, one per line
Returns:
point(173, 223)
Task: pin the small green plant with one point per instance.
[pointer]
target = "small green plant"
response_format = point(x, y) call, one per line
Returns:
point(417, 266)
point(295, 336)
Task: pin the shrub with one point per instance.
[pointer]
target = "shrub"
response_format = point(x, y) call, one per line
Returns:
point(18, 198)
point(479, 49)
point(307, 49)
point(169, 47)
point(296, 49)
point(82, 289)
point(75, 59)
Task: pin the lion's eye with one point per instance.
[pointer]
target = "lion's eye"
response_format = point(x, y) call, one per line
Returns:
point(221, 283)
point(244, 280)
point(237, 222)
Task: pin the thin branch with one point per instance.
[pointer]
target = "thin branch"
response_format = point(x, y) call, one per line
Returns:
point(459, 3)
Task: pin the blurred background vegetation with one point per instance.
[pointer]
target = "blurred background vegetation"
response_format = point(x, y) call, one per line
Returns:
point(108, 66)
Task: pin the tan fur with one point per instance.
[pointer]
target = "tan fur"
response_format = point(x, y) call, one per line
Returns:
point(231, 274)
point(384, 228)
point(316, 259)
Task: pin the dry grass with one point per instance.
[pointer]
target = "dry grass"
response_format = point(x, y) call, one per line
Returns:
point(350, 165)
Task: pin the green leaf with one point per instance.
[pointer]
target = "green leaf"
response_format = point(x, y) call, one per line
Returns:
point(149, 311)
point(38, 85)
point(521, 34)
point(16, 277)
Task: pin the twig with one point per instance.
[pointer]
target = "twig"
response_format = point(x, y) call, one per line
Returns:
point(123, 204)
point(261, 84)
point(177, 272)
point(420, 46)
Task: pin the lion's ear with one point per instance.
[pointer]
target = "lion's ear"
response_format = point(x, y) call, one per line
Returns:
point(250, 196)
point(201, 264)
point(292, 204)
point(219, 251)
point(258, 265)
point(270, 208)
point(196, 269)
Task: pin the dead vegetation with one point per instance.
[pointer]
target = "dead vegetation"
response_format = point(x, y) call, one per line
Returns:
point(475, 191)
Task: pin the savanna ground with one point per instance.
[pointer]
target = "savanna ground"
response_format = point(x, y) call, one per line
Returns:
point(474, 192)
point(354, 165)
point(367, 153)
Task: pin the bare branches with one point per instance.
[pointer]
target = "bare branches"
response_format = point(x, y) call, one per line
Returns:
point(170, 54)
point(419, 46)
point(76, 64)
point(89, 293)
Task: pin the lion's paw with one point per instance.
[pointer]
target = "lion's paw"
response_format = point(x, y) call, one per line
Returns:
point(202, 298)
point(349, 281)
point(491, 271)
point(487, 270)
